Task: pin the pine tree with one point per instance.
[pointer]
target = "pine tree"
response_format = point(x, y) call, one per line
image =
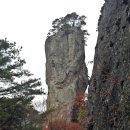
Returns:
point(15, 93)
point(70, 20)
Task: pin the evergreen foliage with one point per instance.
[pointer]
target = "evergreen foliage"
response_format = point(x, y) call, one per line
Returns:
point(70, 20)
point(15, 95)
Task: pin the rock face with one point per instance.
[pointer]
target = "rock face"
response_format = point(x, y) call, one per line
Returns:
point(66, 72)
point(109, 91)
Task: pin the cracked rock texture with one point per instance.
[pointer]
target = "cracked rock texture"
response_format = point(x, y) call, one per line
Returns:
point(109, 91)
point(66, 72)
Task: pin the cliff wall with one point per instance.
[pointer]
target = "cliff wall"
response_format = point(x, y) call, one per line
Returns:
point(109, 91)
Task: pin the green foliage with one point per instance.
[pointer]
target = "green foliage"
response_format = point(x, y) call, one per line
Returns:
point(14, 110)
point(32, 128)
point(70, 20)
point(81, 105)
point(11, 67)
point(82, 114)
point(12, 113)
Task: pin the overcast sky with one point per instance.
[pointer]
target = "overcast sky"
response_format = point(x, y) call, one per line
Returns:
point(27, 23)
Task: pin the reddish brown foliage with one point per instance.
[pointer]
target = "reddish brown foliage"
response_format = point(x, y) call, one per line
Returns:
point(73, 126)
point(45, 129)
point(79, 100)
point(63, 125)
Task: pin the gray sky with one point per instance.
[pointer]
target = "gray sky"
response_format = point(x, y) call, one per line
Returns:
point(27, 23)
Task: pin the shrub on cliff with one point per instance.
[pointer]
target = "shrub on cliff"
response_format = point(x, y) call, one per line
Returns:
point(80, 104)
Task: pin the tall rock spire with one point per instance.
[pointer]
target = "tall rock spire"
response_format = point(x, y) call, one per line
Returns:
point(66, 72)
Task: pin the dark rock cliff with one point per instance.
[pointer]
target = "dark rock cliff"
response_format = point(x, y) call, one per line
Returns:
point(66, 72)
point(109, 91)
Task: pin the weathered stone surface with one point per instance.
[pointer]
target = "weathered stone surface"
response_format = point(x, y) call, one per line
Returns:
point(109, 91)
point(66, 72)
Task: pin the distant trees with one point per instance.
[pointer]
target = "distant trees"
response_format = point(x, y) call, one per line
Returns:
point(70, 20)
point(15, 93)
